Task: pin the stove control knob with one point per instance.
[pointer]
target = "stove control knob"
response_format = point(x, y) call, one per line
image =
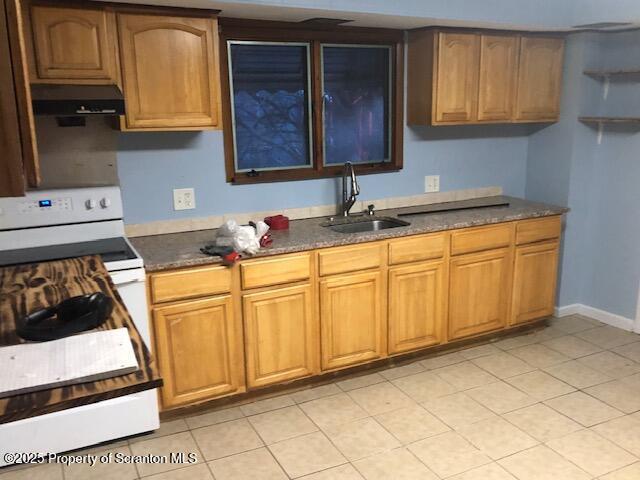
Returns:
point(90, 204)
point(105, 202)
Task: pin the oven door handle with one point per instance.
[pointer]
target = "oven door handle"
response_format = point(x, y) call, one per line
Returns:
point(127, 276)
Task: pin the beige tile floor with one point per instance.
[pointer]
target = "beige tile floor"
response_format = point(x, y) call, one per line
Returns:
point(559, 403)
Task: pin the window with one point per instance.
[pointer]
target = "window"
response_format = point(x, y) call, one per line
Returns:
point(304, 101)
point(271, 105)
point(356, 88)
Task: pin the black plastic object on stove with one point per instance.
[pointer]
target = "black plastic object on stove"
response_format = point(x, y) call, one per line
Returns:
point(71, 316)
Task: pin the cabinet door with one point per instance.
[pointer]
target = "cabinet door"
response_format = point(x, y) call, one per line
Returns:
point(539, 79)
point(456, 78)
point(18, 150)
point(498, 62)
point(416, 306)
point(352, 319)
point(534, 282)
point(479, 292)
point(170, 72)
point(74, 44)
point(281, 335)
point(199, 350)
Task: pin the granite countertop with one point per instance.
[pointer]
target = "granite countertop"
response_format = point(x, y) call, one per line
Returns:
point(174, 250)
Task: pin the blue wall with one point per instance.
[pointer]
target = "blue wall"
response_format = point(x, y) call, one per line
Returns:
point(150, 165)
point(601, 249)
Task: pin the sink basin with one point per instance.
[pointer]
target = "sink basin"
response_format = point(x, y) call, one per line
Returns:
point(366, 225)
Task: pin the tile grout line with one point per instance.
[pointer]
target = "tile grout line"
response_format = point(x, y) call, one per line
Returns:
point(266, 446)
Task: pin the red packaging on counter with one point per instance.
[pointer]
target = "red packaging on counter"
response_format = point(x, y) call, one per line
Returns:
point(277, 222)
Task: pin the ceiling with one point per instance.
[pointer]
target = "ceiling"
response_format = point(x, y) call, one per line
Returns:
point(543, 15)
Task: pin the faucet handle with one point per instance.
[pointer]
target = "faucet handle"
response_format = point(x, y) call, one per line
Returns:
point(370, 209)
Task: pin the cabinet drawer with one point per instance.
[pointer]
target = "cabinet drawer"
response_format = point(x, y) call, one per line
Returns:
point(529, 231)
point(349, 259)
point(275, 270)
point(191, 283)
point(482, 238)
point(415, 249)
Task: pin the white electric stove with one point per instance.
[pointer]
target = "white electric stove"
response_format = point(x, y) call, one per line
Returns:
point(66, 223)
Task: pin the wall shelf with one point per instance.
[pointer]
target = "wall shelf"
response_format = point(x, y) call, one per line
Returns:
point(600, 122)
point(618, 120)
point(631, 74)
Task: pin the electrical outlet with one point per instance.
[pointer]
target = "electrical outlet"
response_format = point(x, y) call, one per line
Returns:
point(184, 199)
point(432, 183)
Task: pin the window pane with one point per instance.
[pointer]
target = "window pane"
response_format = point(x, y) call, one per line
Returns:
point(270, 89)
point(356, 104)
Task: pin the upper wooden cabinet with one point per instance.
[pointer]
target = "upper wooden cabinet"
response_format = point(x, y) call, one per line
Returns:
point(170, 72)
point(19, 165)
point(539, 79)
point(74, 45)
point(456, 59)
point(497, 77)
point(462, 77)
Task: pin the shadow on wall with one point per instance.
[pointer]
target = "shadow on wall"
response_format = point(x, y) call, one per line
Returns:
point(456, 132)
point(146, 141)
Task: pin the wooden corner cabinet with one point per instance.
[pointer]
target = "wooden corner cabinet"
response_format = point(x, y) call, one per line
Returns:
point(19, 165)
point(170, 72)
point(462, 77)
point(273, 320)
point(74, 45)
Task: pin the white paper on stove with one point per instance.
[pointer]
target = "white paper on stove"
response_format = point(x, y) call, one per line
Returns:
point(29, 367)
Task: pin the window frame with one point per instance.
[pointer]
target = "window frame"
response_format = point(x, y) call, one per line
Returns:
point(307, 46)
point(241, 30)
point(389, 48)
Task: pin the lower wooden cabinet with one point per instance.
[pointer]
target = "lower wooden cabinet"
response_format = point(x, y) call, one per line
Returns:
point(281, 335)
point(534, 281)
point(479, 292)
point(417, 304)
point(352, 319)
point(219, 331)
point(198, 344)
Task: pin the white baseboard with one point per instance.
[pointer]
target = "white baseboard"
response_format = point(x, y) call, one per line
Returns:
point(601, 315)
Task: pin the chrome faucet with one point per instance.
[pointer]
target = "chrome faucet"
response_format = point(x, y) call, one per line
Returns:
point(349, 200)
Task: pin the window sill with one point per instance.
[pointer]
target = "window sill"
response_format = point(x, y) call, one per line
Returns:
point(329, 172)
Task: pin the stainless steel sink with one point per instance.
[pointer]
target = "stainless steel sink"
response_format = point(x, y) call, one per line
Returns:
point(366, 225)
